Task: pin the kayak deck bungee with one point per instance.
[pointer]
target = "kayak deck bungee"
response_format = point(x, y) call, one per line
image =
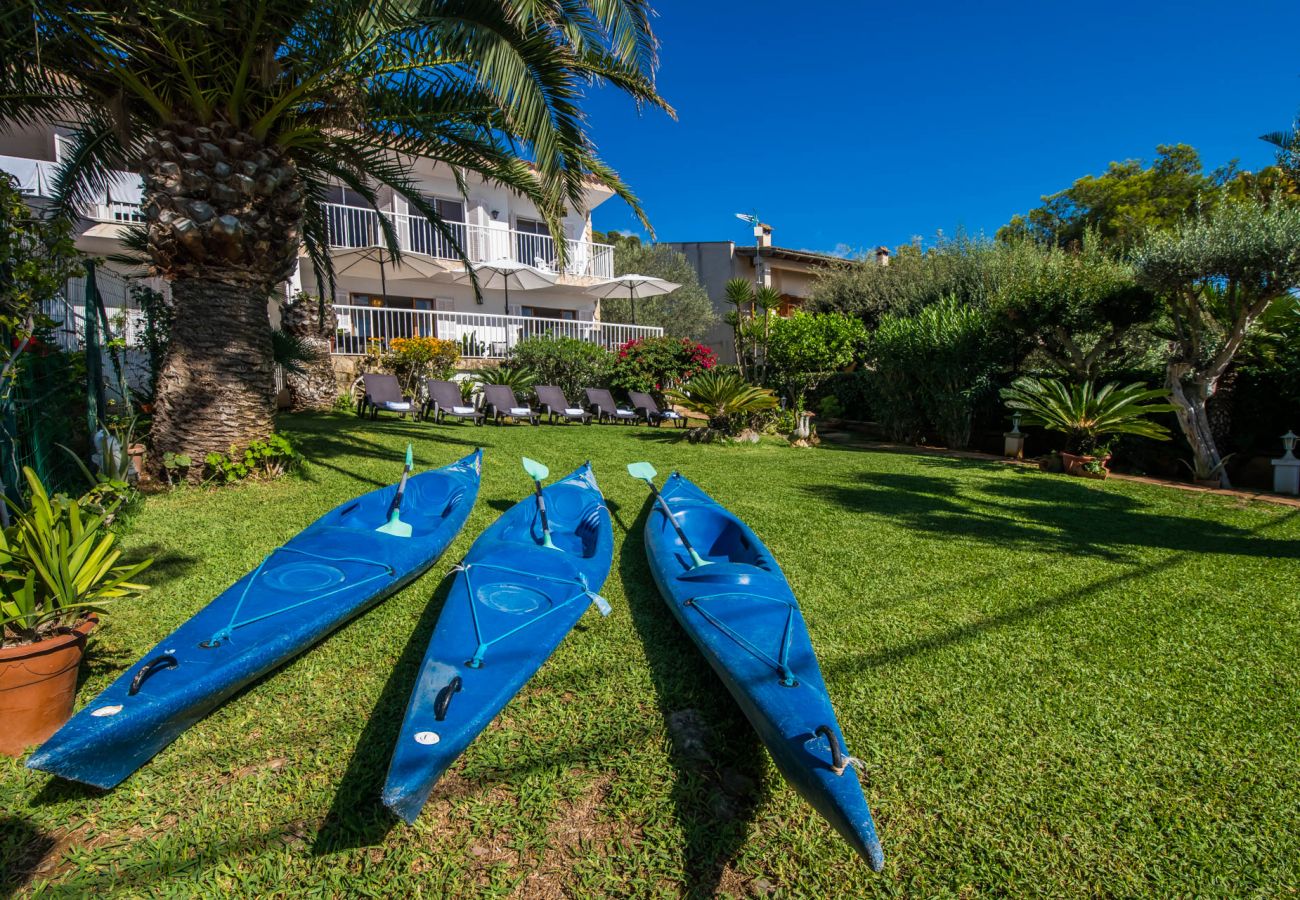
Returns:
point(735, 603)
point(332, 570)
point(512, 601)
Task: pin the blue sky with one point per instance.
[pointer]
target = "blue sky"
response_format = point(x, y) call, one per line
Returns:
point(852, 124)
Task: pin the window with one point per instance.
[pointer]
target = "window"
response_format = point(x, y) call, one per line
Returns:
point(427, 239)
point(546, 312)
point(533, 244)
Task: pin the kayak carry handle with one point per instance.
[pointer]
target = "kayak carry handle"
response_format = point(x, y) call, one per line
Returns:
point(443, 699)
point(838, 760)
point(166, 661)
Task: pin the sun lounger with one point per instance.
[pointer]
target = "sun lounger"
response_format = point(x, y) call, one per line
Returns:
point(645, 405)
point(500, 402)
point(382, 393)
point(444, 400)
point(556, 406)
point(605, 409)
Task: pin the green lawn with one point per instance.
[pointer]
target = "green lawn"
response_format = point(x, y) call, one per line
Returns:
point(1061, 687)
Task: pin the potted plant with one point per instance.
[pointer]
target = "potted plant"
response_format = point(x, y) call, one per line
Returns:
point(58, 568)
point(1088, 415)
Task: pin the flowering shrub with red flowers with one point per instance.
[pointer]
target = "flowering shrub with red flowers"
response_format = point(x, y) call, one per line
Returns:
point(659, 364)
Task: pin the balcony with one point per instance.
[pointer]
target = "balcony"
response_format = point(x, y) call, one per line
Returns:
point(480, 335)
point(358, 226)
point(121, 202)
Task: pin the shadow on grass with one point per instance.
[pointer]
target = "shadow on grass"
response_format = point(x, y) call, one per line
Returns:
point(321, 437)
point(1042, 513)
point(22, 847)
point(716, 755)
point(357, 817)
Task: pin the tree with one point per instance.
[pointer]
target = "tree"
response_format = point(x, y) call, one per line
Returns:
point(1125, 203)
point(239, 115)
point(1217, 275)
point(806, 348)
point(953, 267)
point(1287, 143)
point(686, 312)
point(1080, 308)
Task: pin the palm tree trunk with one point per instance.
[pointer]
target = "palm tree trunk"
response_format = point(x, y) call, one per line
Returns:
point(216, 387)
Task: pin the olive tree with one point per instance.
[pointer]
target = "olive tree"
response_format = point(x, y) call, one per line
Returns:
point(1081, 309)
point(1217, 275)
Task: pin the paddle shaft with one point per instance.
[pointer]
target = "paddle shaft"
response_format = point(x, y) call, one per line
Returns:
point(686, 542)
point(541, 509)
point(401, 490)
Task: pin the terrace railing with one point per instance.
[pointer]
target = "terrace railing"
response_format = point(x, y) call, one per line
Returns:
point(357, 226)
point(480, 335)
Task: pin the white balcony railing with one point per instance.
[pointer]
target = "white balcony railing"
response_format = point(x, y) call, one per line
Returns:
point(357, 226)
point(480, 335)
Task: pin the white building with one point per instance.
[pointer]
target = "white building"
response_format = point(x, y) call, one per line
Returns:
point(377, 299)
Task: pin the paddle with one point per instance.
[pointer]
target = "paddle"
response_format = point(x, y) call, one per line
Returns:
point(395, 526)
point(538, 473)
point(646, 472)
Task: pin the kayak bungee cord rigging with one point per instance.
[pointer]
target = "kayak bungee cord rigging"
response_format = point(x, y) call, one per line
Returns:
point(335, 568)
point(755, 608)
point(523, 580)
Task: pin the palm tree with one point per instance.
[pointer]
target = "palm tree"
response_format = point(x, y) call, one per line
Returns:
point(1287, 142)
point(239, 114)
point(740, 294)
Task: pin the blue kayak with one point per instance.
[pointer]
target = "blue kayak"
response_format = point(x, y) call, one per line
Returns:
point(329, 572)
point(513, 600)
point(741, 613)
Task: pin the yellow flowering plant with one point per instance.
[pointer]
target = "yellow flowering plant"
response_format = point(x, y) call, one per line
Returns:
point(413, 359)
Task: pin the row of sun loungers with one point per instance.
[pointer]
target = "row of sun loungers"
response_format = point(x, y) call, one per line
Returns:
point(443, 401)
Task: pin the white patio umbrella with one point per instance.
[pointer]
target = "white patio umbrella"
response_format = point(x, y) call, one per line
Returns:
point(633, 287)
point(504, 274)
point(371, 262)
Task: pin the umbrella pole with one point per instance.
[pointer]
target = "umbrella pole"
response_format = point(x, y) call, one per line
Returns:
point(631, 299)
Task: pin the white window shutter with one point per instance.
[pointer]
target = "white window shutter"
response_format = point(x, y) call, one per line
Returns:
point(515, 309)
point(444, 304)
point(586, 315)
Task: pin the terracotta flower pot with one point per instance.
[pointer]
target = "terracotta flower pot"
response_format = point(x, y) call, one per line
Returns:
point(37, 685)
point(1073, 463)
point(137, 453)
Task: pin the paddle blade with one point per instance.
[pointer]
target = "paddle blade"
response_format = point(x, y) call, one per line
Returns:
point(536, 470)
point(395, 526)
point(410, 457)
point(642, 470)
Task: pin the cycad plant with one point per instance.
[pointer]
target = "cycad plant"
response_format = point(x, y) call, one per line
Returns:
point(239, 116)
point(519, 379)
point(722, 397)
point(1088, 414)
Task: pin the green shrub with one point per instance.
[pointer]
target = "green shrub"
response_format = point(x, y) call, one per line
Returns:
point(657, 365)
point(345, 402)
point(570, 363)
point(850, 390)
point(933, 367)
point(260, 459)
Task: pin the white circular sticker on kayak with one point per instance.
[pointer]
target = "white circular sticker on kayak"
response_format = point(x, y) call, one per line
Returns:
point(421, 737)
point(107, 710)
